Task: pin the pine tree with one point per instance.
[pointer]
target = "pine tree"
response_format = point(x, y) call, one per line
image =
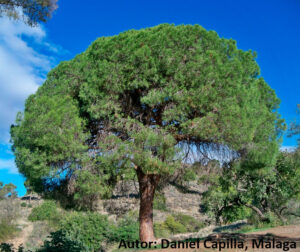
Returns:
point(130, 103)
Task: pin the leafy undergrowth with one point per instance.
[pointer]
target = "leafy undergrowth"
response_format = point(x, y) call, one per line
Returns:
point(176, 224)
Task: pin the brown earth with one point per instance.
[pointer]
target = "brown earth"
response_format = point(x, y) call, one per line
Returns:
point(283, 234)
point(22, 237)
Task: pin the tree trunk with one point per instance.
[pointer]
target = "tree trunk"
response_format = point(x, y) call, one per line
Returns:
point(147, 184)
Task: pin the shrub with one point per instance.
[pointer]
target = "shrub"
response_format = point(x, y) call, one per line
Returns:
point(89, 229)
point(5, 247)
point(59, 241)
point(177, 223)
point(159, 202)
point(46, 211)
point(174, 226)
point(235, 213)
point(127, 229)
point(189, 222)
point(161, 230)
point(23, 204)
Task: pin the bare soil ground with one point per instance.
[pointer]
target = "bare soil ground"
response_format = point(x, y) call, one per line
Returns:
point(283, 234)
point(22, 237)
point(292, 231)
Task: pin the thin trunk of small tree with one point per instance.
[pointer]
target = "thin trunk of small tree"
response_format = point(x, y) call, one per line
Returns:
point(147, 184)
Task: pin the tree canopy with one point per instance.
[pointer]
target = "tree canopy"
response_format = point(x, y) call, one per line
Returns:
point(32, 11)
point(129, 103)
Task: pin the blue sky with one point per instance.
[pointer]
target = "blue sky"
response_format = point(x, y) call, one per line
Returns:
point(269, 27)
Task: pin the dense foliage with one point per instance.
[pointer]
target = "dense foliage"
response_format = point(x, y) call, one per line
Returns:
point(90, 232)
point(90, 229)
point(138, 103)
point(176, 224)
point(258, 189)
point(45, 211)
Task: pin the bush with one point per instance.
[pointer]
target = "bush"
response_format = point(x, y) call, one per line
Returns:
point(174, 226)
point(23, 204)
point(191, 224)
point(177, 223)
point(45, 212)
point(161, 230)
point(235, 213)
point(89, 229)
point(5, 247)
point(127, 229)
point(159, 202)
point(59, 241)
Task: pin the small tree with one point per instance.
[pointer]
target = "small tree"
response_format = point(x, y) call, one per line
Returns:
point(9, 208)
point(262, 188)
point(135, 104)
point(8, 190)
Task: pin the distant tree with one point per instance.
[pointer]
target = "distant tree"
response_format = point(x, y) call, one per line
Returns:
point(7, 190)
point(32, 11)
point(9, 208)
point(294, 129)
point(137, 104)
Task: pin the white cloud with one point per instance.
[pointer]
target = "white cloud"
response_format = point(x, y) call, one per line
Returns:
point(288, 148)
point(9, 164)
point(22, 67)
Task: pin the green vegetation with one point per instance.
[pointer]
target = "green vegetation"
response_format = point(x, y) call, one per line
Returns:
point(191, 224)
point(7, 230)
point(59, 242)
point(87, 231)
point(47, 211)
point(159, 202)
point(9, 211)
point(127, 229)
point(261, 189)
point(90, 229)
point(23, 204)
point(130, 105)
point(176, 224)
point(7, 190)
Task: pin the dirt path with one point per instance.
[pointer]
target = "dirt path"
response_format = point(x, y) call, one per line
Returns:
point(291, 231)
point(282, 234)
point(26, 229)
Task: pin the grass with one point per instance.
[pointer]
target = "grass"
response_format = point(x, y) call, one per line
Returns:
point(249, 229)
point(7, 231)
